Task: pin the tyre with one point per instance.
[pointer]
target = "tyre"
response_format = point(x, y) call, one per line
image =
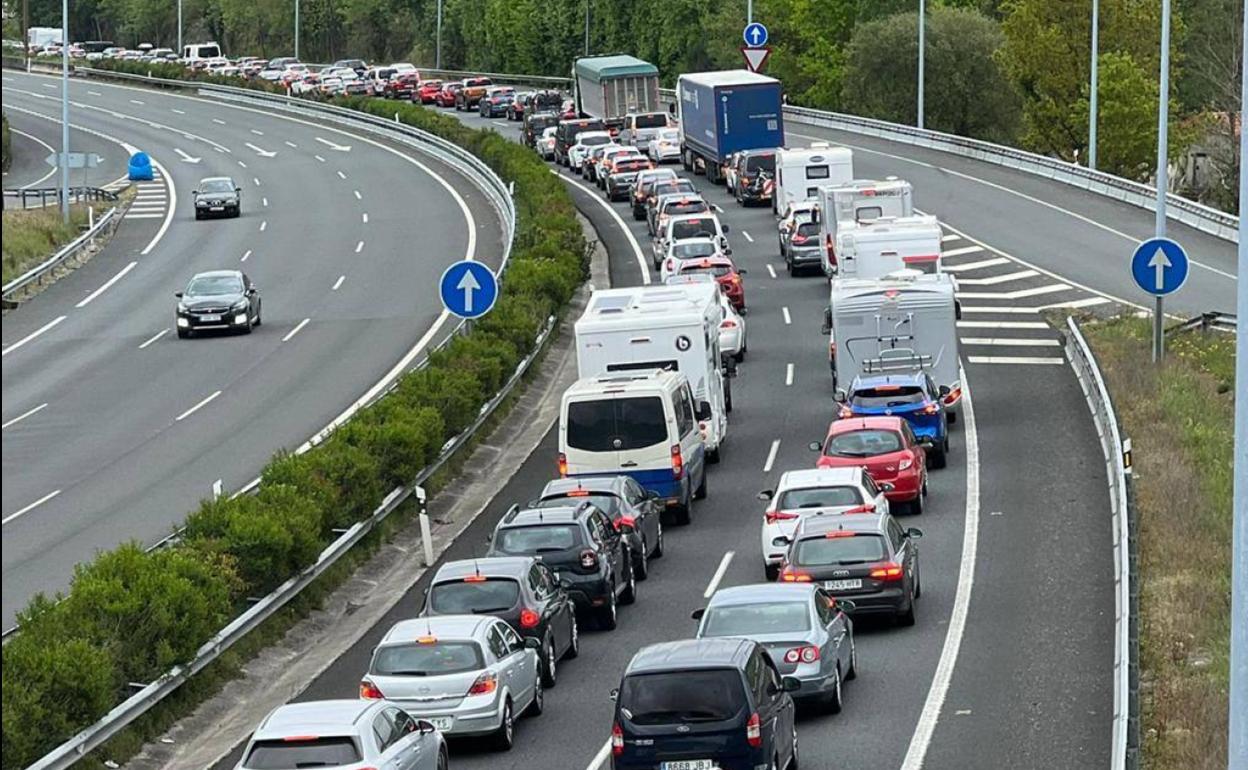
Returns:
point(834, 702)
point(574, 644)
point(906, 618)
point(505, 736)
point(852, 673)
point(538, 704)
point(728, 392)
point(657, 553)
point(184, 333)
point(629, 595)
point(549, 668)
point(938, 458)
point(641, 561)
point(916, 505)
point(712, 457)
point(608, 615)
point(259, 320)
point(951, 417)
point(700, 492)
point(247, 329)
point(198, 215)
point(443, 762)
point(681, 514)
point(771, 572)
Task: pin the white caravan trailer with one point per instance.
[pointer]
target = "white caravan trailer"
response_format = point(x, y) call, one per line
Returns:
point(884, 246)
point(857, 202)
point(801, 172)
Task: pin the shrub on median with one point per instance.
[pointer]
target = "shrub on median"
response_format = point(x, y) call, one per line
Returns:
point(130, 615)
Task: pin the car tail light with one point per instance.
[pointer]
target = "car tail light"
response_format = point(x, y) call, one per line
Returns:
point(475, 579)
point(528, 618)
point(617, 740)
point(625, 522)
point(800, 239)
point(678, 463)
point(834, 534)
point(484, 685)
point(736, 279)
point(868, 508)
point(954, 396)
point(844, 411)
point(793, 576)
point(370, 691)
point(563, 465)
point(831, 250)
point(887, 571)
point(831, 349)
point(773, 516)
point(589, 558)
point(804, 654)
point(300, 738)
point(754, 731)
point(905, 464)
point(931, 409)
point(728, 324)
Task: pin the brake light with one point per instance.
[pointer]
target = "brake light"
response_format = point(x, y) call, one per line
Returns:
point(793, 576)
point(800, 239)
point(931, 409)
point(736, 279)
point(475, 579)
point(804, 654)
point(300, 738)
point(905, 464)
point(484, 685)
point(831, 349)
point(831, 250)
point(589, 558)
point(617, 740)
point(625, 521)
point(728, 324)
point(754, 730)
point(888, 572)
point(838, 533)
point(954, 396)
point(773, 516)
point(370, 691)
point(563, 465)
point(678, 463)
point(868, 508)
point(528, 618)
point(844, 411)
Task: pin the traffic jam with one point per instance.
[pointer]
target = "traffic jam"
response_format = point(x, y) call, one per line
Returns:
point(641, 429)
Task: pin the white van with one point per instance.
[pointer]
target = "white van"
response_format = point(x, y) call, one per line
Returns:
point(196, 51)
point(801, 172)
point(638, 424)
point(640, 127)
point(859, 202)
point(884, 246)
point(660, 327)
point(905, 322)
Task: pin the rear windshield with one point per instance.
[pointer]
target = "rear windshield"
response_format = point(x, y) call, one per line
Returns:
point(719, 271)
point(863, 443)
point(693, 250)
point(808, 229)
point(653, 120)
point(290, 755)
point(616, 424)
point(434, 659)
point(755, 163)
point(858, 549)
point(474, 82)
point(602, 500)
point(682, 697)
point(669, 135)
point(894, 395)
point(461, 597)
point(752, 619)
point(631, 164)
point(819, 497)
point(547, 538)
point(544, 121)
point(594, 141)
point(817, 172)
point(673, 186)
point(693, 228)
point(687, 207)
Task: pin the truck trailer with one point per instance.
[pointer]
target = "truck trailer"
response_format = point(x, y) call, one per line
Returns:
point(725, 112)
point(611, 87)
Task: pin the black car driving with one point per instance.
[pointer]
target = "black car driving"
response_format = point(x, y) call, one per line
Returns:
point(521, 590)
point(591, 558)
point(219, 299)
point(633, 511)
point(217, 196)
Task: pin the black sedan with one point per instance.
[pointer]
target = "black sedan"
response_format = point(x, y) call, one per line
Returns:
point(520, 590)
point(218, 300)
point(217, 196)
point(632, 510)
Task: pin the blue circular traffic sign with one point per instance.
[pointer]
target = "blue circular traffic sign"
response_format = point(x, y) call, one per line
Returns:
point(754, 35)
point(1159, 266)
point(469, 289)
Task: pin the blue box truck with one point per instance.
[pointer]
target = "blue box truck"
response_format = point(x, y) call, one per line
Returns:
point(723, 112)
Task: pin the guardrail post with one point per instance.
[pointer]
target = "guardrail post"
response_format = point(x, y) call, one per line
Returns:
point(426, 536)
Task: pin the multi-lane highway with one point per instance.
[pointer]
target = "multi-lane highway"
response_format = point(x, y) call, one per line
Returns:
point(34, 139)
point(114, 427)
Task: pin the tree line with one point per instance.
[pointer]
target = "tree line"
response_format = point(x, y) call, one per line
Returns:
point(1009, 71)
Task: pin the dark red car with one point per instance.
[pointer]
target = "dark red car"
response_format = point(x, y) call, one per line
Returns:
point(887, 448)
point(401, 86)
point(446, 97)
point(725, 272)
point(428, 91)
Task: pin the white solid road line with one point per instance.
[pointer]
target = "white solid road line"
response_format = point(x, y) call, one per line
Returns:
point(788, 374)
point(24, 415)
point(771, 456)
point(167, 181)
point(154, 337)
point(632, 241)
point(132, 215)
point(1003, 325)
point(246, 254)
point(120, 274)
point(787, 318)
point(1076, 303)
point(1012, 342)
point(950, 237)
point(1015, 360)
point(197, 407)
point(961, 251)
point(980, 265)
point(30, 507)
point(993, 310)
point(359, 247)
point(1021, 293)
point(747, 236)
point(338, 282)
point(295, 330)
point(998, 279)
point(719, 575)
point(47, 147)
point(771, 270)
point(600, 758)
point(930, 714)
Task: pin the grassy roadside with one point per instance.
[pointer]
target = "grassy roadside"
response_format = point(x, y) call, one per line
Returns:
point(33, 235)
point(1180, 418)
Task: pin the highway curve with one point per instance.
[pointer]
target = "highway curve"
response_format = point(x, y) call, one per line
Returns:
point(34, 139)
point(344, 235)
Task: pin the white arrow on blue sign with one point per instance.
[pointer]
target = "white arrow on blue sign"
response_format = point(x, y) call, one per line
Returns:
point(1159, 266)
point(469, 289)
point(754, 35)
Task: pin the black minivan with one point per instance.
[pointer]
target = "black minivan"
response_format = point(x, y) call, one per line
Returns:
point(704, 704)
point(568, 131)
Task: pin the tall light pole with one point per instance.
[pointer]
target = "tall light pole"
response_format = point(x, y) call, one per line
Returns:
point(180, 28)
point(296, 30)
point(749, 12)
point(587, 27)
point(922, 46)
point(1163, 171)
point(64, 159)
point(437, 51)
point(1096, 44)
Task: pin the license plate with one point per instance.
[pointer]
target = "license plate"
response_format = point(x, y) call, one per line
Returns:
point(842, 585)
point(442, 723)
point(210, 318)
point(217, 208)
point(688, 764)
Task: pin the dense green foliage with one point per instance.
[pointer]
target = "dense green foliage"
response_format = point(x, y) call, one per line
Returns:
point(130, 615)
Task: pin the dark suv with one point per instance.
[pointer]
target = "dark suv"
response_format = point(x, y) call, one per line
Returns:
point(634, 511)
point(534, 124)
point(568, 130)
point(755, 177)
point(520, 590)
point(589, 557)
point(704, 703)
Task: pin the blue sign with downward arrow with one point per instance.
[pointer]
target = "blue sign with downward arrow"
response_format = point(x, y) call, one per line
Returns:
point(1159, 266)
point(469, 289)
point(754, 35)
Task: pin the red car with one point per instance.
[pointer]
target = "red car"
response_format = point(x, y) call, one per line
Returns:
point(446, 97)
point(429, 90)
point(887, 448)
point(729, 277)
point(401, 86)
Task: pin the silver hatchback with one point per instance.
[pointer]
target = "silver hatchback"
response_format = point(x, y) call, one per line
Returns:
point(468, 675)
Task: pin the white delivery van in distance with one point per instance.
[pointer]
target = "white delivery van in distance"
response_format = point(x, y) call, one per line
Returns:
point(854, 203)
point(198, 51)
point(801, 172)
point(883, 246)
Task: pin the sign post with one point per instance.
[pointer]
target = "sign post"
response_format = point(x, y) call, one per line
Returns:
point(756, 50)
point(469, 289)
point(1159, 267)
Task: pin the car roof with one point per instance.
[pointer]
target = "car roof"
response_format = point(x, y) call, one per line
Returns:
point(449, 626)
point(852, 424)
point(872, 523)
point(756, 593)
point(217, 179)
point(218, 273)
point(818, 477)
point(762, 151)
point(334, 717)
point(490, 566)
point(688, 654)
point(876, 380)
point(588, 483)
point(563, 514)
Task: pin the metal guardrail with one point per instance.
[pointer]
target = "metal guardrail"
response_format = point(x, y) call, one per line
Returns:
point(72, 250)
point(1226, 322)
point(1117, 450)
point(51, 196)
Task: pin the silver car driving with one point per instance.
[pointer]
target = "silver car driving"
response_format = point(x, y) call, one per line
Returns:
point(804, 628)
point(466, 674)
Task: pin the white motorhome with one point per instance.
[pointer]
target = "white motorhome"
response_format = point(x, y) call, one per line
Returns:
point(857, 202)
point(883, 246)
point(659, 327)
point(906, 322)
point(197, 51)
point(801, 172)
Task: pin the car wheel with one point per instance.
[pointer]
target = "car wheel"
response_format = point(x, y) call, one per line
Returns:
point(916, 505)
point(443, 762)
point(538, 704)
point(952, 417)
point(641, 562)
point(608, 616)
point(918, 582)
point(907, 618)
point(728, 393)
point(198, 215)
point(852, 672)
point(184, 333)
point(238, 212)
point(771, 572)
point(793, 756)
point(574, 640)
point(712, 457)
point(834, 703)
point(789, 265)
point(549, 671)
point(505, 736)
point(629, 595)
point(658, 542)
point(247, 329)
point(259, 319)
point(700, 492)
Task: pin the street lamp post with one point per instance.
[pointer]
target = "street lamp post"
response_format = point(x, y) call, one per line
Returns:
point(1096, 43)
point(587, 27)
point(64, 159)
point(1163, 171)
point(437, 53)
point(296, 30)
point(179, 27)
point(922, 24)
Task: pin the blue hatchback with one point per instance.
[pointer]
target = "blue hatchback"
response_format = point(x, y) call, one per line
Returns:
point(912, 397)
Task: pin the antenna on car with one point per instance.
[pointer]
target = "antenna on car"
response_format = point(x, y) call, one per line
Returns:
point(476, 567)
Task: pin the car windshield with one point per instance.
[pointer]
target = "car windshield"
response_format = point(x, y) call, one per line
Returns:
point(756, 163)
point(855, 548)
point(693, 228)
point(711, 695)
point(863, 443)
point(819, 497)
point(606, 502)
point(750, 619)
point(693, 249)
point(459, 597)
point(888, 395)
point(292, 753)
point(210, 285)
point(545, 538)
point(434, 658)
point(616, 424)
point(216, 186)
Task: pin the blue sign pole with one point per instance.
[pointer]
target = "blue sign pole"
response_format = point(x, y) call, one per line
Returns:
point(1163, 124)
point(468, 289)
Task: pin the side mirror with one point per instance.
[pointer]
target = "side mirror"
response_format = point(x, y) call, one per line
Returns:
point(425, 727)
point(698, 613)
point(743, 271)
point(615, 693)
point(253, 291)
point(766, 494)
point(790, 683)
point(532, 643)
point(725, 228)
point(944, 390)
point(914, 533)
point(238, 189)
point(178, 294)
point(840, 396)
point(565, 584)
point(816, 446)
point(844, 605)
point(704, 410)
point(194, 192)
